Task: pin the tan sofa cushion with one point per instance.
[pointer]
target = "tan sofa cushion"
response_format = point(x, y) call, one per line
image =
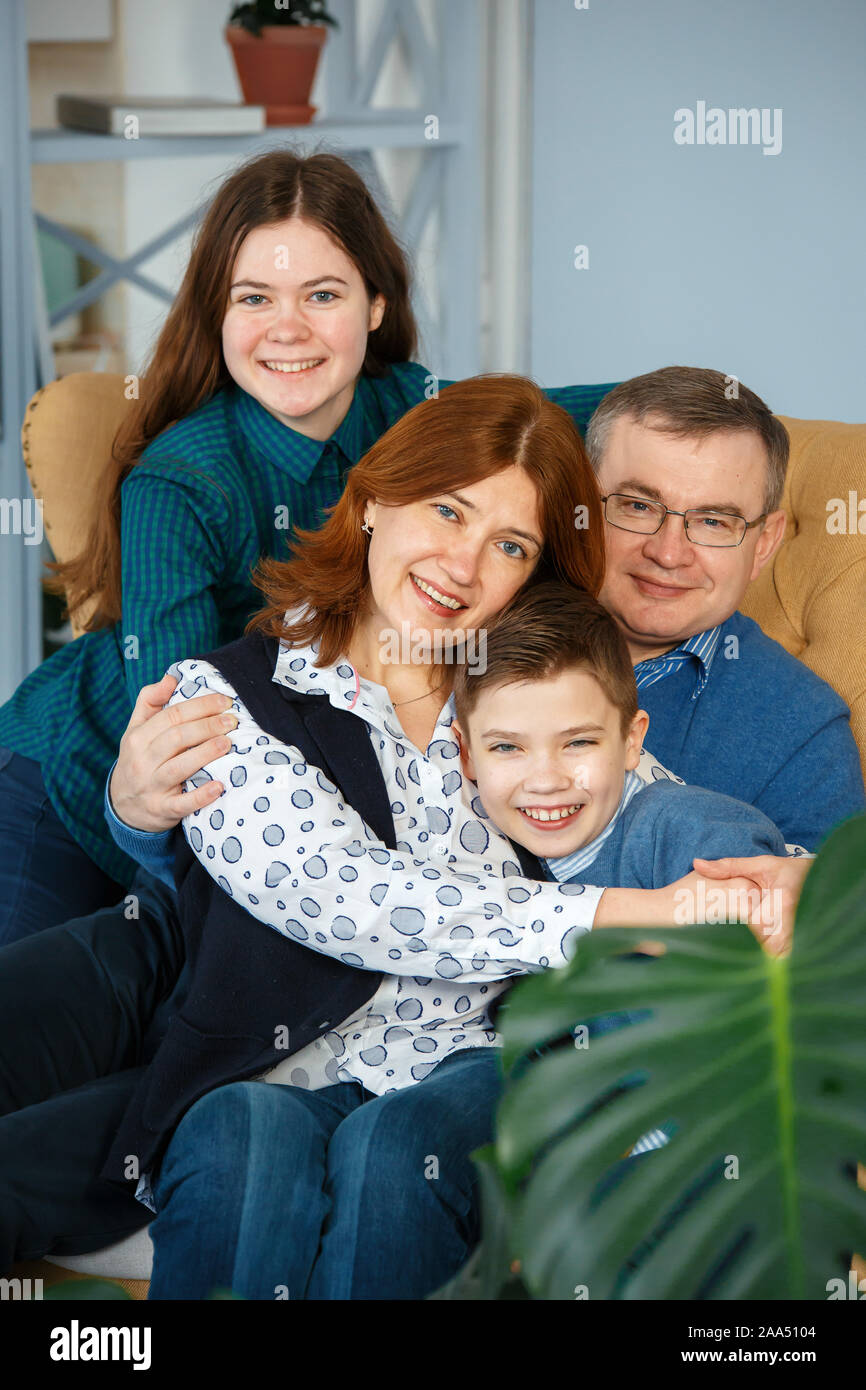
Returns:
point(812, 596)
point(66, 439)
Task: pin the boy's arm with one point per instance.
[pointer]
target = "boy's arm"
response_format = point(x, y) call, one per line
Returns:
point(673, 825)
point(669, 826)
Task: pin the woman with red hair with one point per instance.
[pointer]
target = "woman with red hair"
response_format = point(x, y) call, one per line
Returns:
point(349, 1176)
point(352, 916)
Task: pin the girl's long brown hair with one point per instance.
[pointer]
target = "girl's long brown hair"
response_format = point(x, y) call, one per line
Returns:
point(473, 430)
point(187, 367)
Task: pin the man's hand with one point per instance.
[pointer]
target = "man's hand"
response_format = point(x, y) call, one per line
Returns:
point(160, 749)
point(775, 884)
point(761, 890)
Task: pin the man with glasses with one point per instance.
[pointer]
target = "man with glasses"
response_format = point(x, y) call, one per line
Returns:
point(691, 473)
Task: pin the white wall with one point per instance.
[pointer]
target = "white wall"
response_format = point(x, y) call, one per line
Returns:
point(715, 256)
point(174, 50)
point(86, 197)
point(169, 50)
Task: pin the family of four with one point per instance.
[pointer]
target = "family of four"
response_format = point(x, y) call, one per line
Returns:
point(257, 932)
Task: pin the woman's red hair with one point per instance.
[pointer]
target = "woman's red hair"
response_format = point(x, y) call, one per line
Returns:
point(472, 430)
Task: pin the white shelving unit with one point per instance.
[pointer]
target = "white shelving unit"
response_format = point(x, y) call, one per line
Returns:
point(449, 182)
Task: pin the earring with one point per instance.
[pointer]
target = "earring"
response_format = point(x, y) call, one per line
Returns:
point(365, 526)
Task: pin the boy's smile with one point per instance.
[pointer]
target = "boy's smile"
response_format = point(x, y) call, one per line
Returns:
point(549, 757)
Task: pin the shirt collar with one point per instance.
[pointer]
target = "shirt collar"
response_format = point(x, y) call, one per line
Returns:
point(573, 864)
point(702, 646)
point(295, 667)
point(298, 455)
point(352, 436)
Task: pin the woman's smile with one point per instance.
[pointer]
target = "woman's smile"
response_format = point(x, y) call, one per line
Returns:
point(437, 600)
point(457, 557)
point(296, 327)
point(296, 368)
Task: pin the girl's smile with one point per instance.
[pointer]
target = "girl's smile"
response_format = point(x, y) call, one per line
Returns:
point(295, 330)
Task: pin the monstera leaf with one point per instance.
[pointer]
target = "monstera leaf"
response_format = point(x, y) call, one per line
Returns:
point(755, 1066)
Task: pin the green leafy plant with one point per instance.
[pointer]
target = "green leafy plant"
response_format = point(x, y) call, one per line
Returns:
point(252, 15)
point(104, 1290)
point(97, 1290)
point(757, 1064)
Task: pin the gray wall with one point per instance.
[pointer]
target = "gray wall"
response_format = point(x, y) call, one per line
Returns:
point(711, 255)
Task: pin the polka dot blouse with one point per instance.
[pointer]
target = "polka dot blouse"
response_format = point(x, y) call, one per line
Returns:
point(446, 916)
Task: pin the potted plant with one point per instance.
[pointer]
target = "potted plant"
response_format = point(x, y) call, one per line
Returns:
point(276, 50)
point(758, 1061)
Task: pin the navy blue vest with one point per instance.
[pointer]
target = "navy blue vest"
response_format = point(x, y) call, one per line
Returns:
point(255, 996)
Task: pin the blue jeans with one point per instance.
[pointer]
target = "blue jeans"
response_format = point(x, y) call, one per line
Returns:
point(83, 1007)
point(277, 1192)
point(45, 876)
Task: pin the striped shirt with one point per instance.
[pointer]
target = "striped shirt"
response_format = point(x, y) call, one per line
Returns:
point(578, 862)
point(571, 865)
point(701, 649)
point(210, 496)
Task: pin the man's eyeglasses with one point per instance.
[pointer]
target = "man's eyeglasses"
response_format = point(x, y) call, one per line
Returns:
point(702, 527)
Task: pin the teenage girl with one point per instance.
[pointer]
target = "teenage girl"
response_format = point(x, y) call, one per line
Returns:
point(285, 356)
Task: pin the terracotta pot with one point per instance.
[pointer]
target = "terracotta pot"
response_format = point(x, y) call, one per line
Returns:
point(277, 70)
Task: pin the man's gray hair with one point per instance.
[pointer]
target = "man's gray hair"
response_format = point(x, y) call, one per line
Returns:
point(694, 402)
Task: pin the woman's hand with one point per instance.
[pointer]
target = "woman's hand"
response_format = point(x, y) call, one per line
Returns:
point(161, 748)
point(681, 903)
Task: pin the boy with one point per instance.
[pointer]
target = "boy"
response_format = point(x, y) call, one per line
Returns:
point(551, 733)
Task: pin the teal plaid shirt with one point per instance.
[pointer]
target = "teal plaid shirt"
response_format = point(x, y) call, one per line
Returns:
point(210, 496)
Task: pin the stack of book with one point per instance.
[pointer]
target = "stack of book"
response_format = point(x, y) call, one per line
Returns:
point(133, 117)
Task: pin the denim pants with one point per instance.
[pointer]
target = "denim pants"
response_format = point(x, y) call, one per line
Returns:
point(83, 1007)
point(275, 1192)
point(45, 876)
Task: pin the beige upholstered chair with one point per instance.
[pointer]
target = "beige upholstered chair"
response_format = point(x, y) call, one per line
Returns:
point(811, 599)
point(66, 439)
point(812, 596)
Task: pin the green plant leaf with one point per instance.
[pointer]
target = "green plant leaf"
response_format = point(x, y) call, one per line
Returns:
point(252, 14)
point(97, 1289)
point(759, 1067)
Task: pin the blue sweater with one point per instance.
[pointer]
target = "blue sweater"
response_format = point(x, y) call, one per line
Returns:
point(665, 826)
point(765, 729)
